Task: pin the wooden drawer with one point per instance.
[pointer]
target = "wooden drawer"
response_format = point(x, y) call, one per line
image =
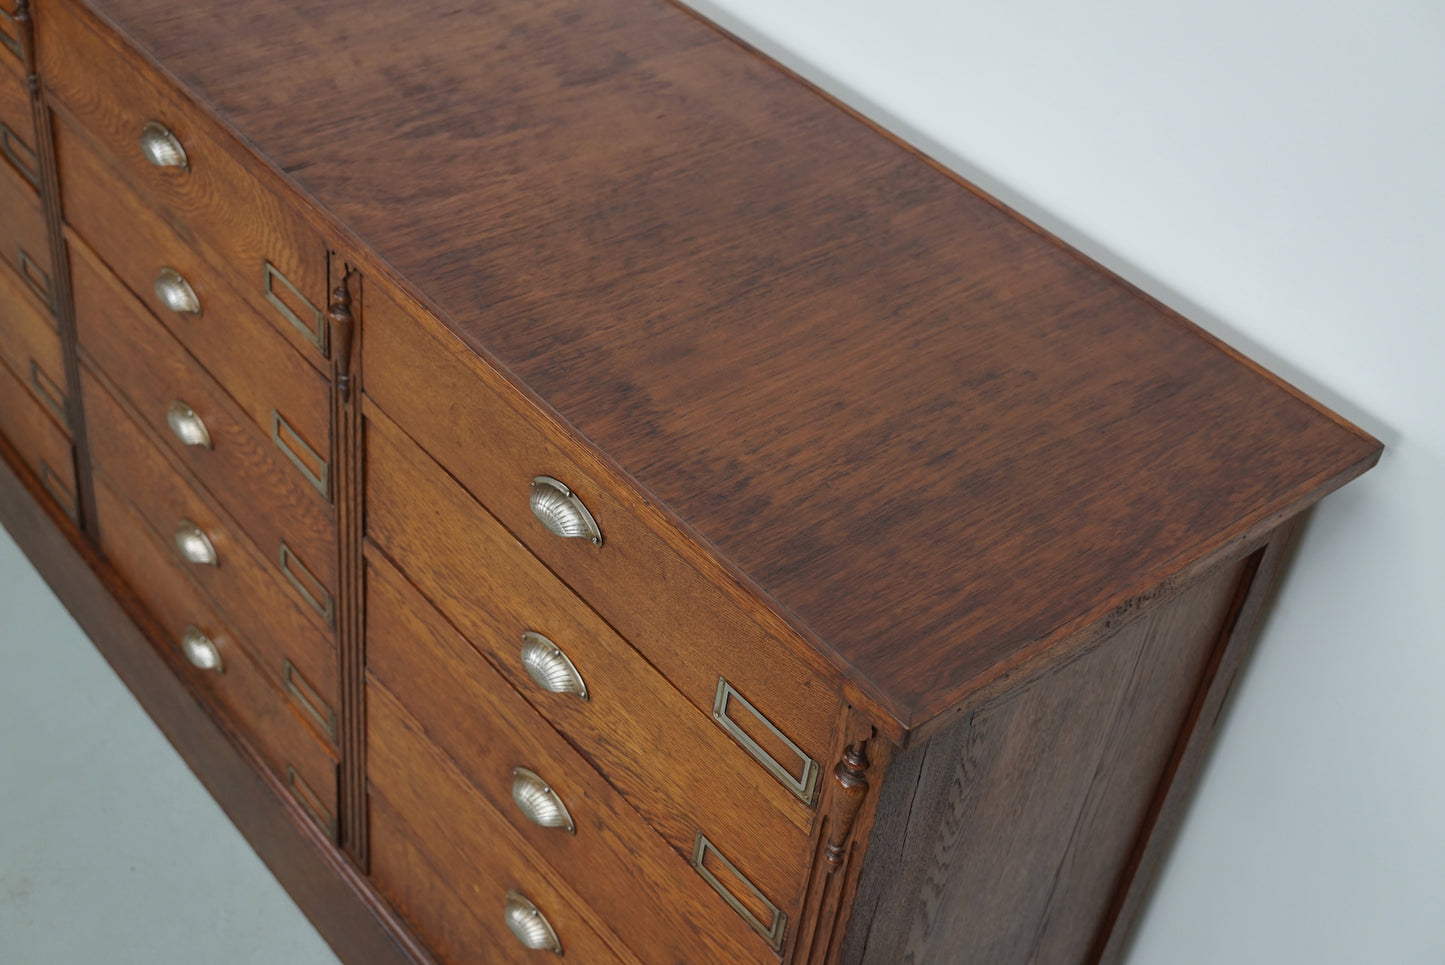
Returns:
point(271, 720)
point(258, 242)
point(12, 56)
point(230, 339)
point(17, 129)
point(246, 469)
point(691, 627)
point(248, 589)
point(475, 717)
point(24, 244)
point(463, 922)
point(662, 915)
point(30, 346)
point(38, 440)
point(671, 762)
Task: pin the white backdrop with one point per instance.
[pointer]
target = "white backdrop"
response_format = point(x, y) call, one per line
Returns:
point(1276, 171)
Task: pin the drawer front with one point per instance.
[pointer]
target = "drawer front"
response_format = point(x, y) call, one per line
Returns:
point(17, 129)
point(694, 629)
point(239, 689)
point(487, 730)
point(251, 593)
point(30, 346)
point(242, 225)
point(11, 54)
point(42, 445)
point(662, 919)
point(247, 470)
point(24, 245)
point(670, 761)
point(229, 339)
point(458, 920)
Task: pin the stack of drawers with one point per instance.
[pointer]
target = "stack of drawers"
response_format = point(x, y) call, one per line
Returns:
point(208, 405)
point(33, 392)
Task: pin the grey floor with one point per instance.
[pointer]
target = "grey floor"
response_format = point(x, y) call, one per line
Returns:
point(111, 852)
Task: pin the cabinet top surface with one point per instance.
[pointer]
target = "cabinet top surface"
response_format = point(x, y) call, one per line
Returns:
point(937, 438)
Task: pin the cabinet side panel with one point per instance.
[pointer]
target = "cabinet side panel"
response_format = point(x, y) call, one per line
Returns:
point(1006, 838)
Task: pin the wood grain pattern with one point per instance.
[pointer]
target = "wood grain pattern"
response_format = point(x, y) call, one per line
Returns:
point(886, 400)
point(243, 469)
point(358, 926)
point(246, 587)
point(24, 243)
point(18, 144)
point(1005, 838)
point(30, 345)
point(215, 202)
point(476, 849)
point(39, 441)
point(675, 765)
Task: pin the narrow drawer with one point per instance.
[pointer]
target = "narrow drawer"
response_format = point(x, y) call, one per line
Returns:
point(258, 241)
point(249, 590)
point(31, 346)
point(38, 440)
point(663, 919)
point(237, 688)
point(475, 717)
point(634, 725)
point(225, 334)
point(250, 472)
point(464, 922)
point(17, 129)
point(692, 627)
point(24, 245)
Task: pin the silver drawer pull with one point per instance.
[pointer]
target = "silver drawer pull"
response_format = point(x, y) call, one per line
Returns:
point(529, 925)
point(173, 289)
point(201, 651)
point(561, 512)
point(537, 801)
point(187, 426)
point(549, 667)
point(194, 545)
point(161, 147)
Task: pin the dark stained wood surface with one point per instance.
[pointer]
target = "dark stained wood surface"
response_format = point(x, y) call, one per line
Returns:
point(940, 441)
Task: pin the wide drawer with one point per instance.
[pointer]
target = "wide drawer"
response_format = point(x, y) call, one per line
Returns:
point(258, 241)
point(41, 443)
point(24, 244)
point(463, 922)
point(251, 592)
point(675, 766)
point(611, 857)
point(31, 346)
point(661, 919)
point(774, 698)
point(17, 128)
point(241, 691)
point(250, 472)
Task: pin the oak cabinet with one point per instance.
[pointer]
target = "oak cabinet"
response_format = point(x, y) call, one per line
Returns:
point(568, 487)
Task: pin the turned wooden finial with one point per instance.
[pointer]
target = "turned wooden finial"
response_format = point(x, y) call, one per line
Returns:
point(851, 774)
point(343, 325)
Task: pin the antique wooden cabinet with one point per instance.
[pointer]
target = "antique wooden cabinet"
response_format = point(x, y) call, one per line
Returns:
point(568, 487)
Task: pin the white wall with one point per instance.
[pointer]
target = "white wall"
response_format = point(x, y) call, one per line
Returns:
point(1274, 171)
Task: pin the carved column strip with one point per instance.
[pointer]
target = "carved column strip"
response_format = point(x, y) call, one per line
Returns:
point(62, 300)
point(846, 809)
point(343, 309)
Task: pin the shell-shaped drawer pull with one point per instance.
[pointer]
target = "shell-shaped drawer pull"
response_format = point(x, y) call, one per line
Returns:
point(549, 667)
point(172, 288)
point(187, 426)
point(201, 651)
point(529, 925)
point(194, 545)
point(162, 148)
point(561, 512)
point(537, 801)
